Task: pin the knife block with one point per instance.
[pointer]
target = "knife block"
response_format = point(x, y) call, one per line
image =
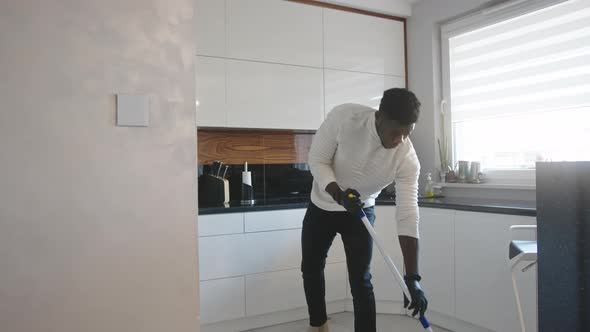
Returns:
point(213, 190)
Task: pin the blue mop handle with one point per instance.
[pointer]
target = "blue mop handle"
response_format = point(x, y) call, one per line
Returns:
point(391, 266)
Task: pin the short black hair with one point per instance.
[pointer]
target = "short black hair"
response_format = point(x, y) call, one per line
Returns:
point(400, 105)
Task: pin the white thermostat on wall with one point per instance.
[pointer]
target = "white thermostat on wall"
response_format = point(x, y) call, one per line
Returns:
point(133, 110)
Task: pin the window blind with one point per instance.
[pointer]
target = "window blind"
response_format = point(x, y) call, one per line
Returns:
point(538, 62)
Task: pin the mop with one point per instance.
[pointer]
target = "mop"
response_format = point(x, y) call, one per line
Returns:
point(390, 264)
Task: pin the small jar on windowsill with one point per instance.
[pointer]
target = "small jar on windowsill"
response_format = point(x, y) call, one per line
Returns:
point(451, 177)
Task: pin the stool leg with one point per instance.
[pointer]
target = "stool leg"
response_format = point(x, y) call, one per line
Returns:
point(518, 304)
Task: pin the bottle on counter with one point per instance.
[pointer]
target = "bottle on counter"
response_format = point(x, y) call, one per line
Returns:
point(429, 186)
point(247, 189)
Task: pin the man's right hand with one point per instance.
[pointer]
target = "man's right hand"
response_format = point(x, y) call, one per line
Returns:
point(334, 190)
point(349, 198)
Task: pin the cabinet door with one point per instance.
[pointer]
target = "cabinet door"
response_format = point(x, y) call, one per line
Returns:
point(363, 43)
point(263, 95)
point(384, 283)
point(210, 91)
point(437, 259)
point(483, 290)
point(272, 251)
point(275, 31)
point(281, 250)
point(210, 27)
point(360, 88)
point(221, 256)
point(274, 220)
point(221, 224)
point(222, 299)
point(283, 290)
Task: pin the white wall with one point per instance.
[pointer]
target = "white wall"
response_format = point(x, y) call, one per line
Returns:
point(424, 69)
point(96, 221)
point(391, 7)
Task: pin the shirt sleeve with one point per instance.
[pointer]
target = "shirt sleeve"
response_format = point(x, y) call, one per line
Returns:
point(323, 147)
point(406, 195)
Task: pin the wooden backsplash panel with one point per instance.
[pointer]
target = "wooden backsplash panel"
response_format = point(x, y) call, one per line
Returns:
point(254, 146)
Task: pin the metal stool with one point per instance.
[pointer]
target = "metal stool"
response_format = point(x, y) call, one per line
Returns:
point(521, 251)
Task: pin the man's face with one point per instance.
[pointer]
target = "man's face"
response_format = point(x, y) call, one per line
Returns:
point(391, 132)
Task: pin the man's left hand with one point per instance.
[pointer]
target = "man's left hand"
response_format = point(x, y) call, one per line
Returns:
point(351, 202)
point(419, 302)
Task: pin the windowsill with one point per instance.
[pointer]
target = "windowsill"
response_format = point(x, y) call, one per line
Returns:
point(487, 186)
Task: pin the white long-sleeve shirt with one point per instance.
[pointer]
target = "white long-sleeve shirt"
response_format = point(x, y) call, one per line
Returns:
point(346, 149)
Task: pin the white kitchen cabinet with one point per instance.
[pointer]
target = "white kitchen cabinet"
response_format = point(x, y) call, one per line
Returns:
point(283, 290)
point(272, 251)
point(437, 259)
point(210, 91)
point(222, 299)
point(360, 88)
point(221, 256)
point(221, 224)
point(274, 220)
point(483, 287)
point(363, 43)
point(210, 27)
point(264, 95)
point(385, 285)
point(281, 250)
point(275, 31)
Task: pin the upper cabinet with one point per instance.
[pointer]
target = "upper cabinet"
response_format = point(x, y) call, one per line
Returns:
point(210, 91)
point(284, 65)
point(210, 27)
point(360, 88)
point(363, 43)
point(264, 95)
point(274, 31)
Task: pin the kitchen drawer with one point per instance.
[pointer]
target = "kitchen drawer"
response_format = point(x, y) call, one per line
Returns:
point(222, 299)
point(281, 250)
point(221, 224)
point(283, 290)
point(221, 256)
point(273, 220)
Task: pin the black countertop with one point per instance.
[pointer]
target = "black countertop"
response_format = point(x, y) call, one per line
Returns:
point(500, 206)
point(259, 205)
point(512, 207)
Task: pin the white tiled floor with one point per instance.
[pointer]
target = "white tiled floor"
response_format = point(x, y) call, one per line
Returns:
point(343, 322)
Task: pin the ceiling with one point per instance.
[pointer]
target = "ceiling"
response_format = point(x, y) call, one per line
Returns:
point(392, 7)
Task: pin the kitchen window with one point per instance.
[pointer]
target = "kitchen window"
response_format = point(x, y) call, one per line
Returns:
point(516, 86)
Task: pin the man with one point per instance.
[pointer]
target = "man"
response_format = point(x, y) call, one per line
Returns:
point(361, 151)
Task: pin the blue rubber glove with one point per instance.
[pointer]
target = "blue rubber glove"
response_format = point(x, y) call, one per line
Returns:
point(352, 202)
point(419, 302)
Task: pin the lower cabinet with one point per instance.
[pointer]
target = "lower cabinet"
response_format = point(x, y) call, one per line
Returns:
point(466, 271)
point(483, 285)
point(222, 299)
point(463, 261)
point(257, 271)
point(283, 290)
point(221, 256)
point(437, 259)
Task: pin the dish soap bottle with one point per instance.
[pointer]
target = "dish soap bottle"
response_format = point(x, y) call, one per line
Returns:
point(428, 188)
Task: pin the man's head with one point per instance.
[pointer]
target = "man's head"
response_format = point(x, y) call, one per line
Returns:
point(397, 116)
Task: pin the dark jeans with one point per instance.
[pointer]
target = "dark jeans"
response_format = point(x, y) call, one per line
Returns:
point(319, 229)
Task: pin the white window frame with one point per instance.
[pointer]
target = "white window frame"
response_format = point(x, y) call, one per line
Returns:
point(471, 22)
